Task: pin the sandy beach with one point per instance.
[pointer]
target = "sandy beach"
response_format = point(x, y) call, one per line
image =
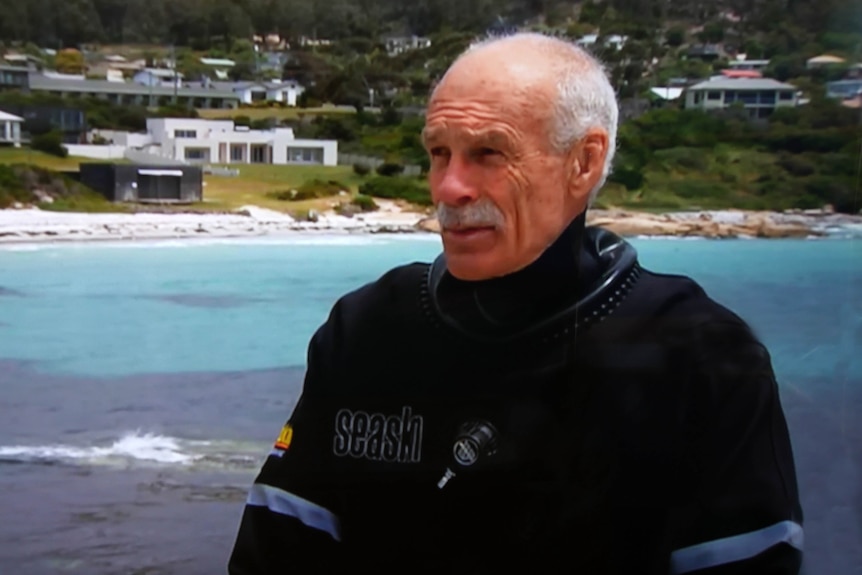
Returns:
point(27, 225)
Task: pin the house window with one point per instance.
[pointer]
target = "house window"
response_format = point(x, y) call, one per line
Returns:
point(713, 95)
point(305, 155)
point(785, 95)
point(196, 153)
point(191, 134)
point(258, 154)
point(237, 152)
point(767, 97)
point(748, 98)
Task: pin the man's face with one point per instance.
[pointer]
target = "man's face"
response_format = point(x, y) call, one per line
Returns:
point(499, 187)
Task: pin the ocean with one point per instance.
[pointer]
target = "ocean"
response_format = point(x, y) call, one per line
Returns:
point(142, 383)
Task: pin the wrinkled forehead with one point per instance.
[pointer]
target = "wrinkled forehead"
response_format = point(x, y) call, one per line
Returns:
point(486, 107)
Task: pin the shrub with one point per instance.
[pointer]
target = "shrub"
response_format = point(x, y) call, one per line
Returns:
point(796, 165)
point(632, 179)
point(50, 143)
point(699, 190)
point(310, 190)
point(685, 158)
point(389, 169)
point(364, 203)
point(396, 188)
point(361, 169)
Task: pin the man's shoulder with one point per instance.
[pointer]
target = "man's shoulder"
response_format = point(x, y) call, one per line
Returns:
point(393, 288)
point(684, 305)
point(374, 314)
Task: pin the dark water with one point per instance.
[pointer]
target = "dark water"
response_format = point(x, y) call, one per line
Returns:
point(141, 389)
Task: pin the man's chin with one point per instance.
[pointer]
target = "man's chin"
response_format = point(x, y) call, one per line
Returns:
point(471, 267)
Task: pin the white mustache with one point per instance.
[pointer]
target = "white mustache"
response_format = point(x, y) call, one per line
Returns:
point(480, 214)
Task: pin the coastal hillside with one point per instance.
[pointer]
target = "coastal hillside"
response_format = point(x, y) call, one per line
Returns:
point(29, 185)
point(365, 68)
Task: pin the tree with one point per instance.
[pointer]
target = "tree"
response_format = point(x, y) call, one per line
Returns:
point(675, 36)
point(69, 61)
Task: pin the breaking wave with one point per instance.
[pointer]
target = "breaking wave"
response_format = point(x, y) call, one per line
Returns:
point(141, 448)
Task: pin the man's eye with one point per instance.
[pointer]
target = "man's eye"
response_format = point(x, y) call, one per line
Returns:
point(488, 152)
point(439, 151)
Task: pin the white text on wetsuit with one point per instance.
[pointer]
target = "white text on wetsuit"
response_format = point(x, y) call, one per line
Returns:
point(378, 437)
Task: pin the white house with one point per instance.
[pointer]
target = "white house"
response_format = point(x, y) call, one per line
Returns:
point(400, 44)
point(158, 77)
point(219, 66)
point(199, 141)
point(759, 96)
point(10, 129)
point(743, 64)
point(286, 91)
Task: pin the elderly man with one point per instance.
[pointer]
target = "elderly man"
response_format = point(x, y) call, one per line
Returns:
point(546, 405)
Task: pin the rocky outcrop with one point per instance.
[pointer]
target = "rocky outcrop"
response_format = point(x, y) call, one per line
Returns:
point(725, 224)
point(722, 224)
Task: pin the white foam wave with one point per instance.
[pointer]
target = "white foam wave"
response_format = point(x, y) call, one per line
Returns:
point(145, 447)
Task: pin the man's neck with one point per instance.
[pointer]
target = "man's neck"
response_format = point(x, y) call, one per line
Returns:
point(515, 301)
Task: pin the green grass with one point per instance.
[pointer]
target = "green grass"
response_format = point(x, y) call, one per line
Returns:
point(41, 159)
point(255, 181)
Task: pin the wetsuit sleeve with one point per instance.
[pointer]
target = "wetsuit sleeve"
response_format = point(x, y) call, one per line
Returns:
point(741, 513)
point(290, 523)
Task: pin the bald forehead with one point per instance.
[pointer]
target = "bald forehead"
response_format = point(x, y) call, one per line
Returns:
point(506, 66)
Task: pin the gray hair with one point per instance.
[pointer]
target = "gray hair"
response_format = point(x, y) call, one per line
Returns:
point(585, 98)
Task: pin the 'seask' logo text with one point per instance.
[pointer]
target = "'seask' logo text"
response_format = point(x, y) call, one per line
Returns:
point(379, 437)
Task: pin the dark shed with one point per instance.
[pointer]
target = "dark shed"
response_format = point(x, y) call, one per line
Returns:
point(145, 184)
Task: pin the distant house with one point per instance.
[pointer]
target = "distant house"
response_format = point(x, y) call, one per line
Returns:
point(196, 141)
point(844, 89)
point(144, 184)
point(706, 52)
point(666, 93)
point(23, 61)
point(824, 61)
point(284, 91)
point(272, 62)
point(135, 94)
point(70, 122)
point(758, 65)
point(760, 97)
point(615, 41)
point(399, 44)
point(741, 74)
point(14, 78)
point(587, 40)
point(219, 66)
point(158, 77)
point(10, 129)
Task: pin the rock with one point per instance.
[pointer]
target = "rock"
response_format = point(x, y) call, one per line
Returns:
point(429, 225)
point(43, 197)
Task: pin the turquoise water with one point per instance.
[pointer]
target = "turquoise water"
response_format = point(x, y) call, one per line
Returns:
point(160, 372)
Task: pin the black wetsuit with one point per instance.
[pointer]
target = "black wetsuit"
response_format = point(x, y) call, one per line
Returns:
point(623, 422)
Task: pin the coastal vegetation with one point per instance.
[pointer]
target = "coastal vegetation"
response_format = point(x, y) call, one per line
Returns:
point(49, 190)
point(369, 98)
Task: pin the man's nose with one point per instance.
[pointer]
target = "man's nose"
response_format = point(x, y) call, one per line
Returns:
point(455, 185)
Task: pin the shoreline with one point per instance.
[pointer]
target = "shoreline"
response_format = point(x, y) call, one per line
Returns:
point(31, 225)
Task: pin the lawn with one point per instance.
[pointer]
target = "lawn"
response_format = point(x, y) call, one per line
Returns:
point(255, 180)
point(28, 156)
point(277, 113)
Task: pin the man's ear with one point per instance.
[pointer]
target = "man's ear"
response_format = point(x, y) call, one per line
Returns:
point(586, 160)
